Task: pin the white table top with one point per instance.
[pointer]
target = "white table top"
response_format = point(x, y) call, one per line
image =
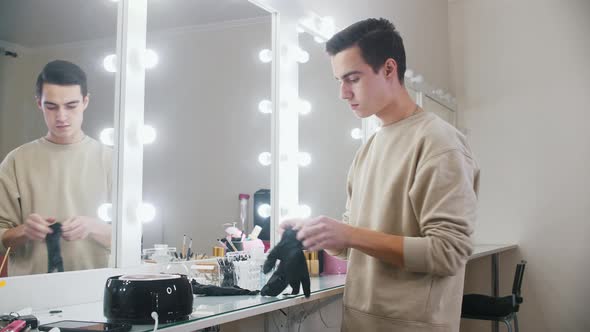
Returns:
point(215, 310)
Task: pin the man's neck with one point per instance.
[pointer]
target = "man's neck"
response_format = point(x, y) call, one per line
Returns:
point(65, 140)
point(400, 108)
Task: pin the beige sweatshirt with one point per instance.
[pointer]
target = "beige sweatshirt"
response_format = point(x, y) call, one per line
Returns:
point(415, 178)
point(59, 181)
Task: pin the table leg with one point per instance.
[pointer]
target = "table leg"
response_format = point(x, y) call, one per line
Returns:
point(495, 286)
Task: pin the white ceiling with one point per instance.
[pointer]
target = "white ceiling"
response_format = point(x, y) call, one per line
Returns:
point(35, 23)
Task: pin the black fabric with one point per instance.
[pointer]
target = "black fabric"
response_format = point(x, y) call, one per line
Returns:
point(483, 305)
point(55, 262)
point(292, 269)
point(210, 290)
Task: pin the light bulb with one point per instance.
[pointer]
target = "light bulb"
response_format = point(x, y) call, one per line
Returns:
point(319, 40)
point(304, 107)
point(150, 58)
point(105, 212)
point(302, 56)
point(265, 55)
point(265, 106)
point(265, 158)
point(377, 129)
point(303, 159)
point(264, 210)
point(304, 211)
point(300, 29)
point(356, 133)
point(146, 134)
point(146, 212)
point(409, 73)
point(417, 79)
point(327, 26)
point(110, 63)
point(107, 136)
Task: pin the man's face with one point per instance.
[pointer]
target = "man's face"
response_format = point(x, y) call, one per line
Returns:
point(366, 92)
point(63, 109)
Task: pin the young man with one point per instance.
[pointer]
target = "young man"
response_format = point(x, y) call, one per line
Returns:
point(60, 178)
point(412, 194)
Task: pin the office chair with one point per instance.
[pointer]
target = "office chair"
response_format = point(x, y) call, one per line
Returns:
point(498, 309)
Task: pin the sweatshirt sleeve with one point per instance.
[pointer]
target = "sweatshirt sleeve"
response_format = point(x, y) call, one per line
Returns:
point(10, 212)
point(444, 199)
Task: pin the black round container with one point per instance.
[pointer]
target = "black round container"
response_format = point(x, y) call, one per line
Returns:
point(133, 298)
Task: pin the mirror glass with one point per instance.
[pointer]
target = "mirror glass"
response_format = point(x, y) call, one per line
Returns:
point(326, 133)
point(202, 99)
point(55, 170)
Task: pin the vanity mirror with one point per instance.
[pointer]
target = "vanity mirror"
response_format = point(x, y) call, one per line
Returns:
point(330, 133)
point(208, 98)
point(59, 171)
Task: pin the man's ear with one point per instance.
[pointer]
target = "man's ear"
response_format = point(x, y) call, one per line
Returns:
point(390, 68)
point(85, 100)
point(38, 101)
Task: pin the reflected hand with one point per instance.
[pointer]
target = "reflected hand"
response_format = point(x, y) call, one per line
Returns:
point(78, 228)
point(36, 227)
point(324, 233)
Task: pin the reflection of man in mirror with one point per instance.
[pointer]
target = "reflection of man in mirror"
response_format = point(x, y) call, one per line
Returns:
point(412, 194)
point(61, 178)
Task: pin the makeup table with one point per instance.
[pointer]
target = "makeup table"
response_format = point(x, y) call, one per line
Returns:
point(215, 310)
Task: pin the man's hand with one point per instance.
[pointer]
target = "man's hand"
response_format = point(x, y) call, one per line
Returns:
point(321, 233)
point(78, 228)
point(36, 227)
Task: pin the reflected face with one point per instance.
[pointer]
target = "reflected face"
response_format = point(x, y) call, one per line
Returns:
point(63, 109)
point(365, 91)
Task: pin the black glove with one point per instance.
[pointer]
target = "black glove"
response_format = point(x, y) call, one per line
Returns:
point(55, 262)
point(210, 290)
point(292, 268)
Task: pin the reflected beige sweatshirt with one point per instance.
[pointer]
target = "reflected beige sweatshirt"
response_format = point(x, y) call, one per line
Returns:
point(415, 178)
point(59, 181)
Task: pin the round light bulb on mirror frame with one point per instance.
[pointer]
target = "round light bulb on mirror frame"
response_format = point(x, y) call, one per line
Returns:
point(150, 58)
point(303, 159)
point(265, 158)
point(146, 134)
point(302, 56)
point(356, 133)
point(409, 73)
point(417, 79)
point(265, 55)
point(107, 136)
point(319, 40)
point(265, 106)
point(110, 63)
point(264, 210)
point(304, 107)
point(303, 211)
point(146, 212)
point(105, 212)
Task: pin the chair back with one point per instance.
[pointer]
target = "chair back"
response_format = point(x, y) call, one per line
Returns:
point(516, 285)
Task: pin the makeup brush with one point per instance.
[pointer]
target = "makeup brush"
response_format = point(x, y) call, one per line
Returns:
point(4, 260)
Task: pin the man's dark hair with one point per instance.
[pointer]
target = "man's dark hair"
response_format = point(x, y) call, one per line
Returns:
point(61, 72)
point(378, 41)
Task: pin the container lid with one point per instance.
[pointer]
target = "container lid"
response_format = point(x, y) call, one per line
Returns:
point(148, 277)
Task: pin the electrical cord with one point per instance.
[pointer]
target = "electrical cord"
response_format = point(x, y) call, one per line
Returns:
point(155, 317)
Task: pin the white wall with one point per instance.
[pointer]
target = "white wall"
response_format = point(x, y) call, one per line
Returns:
point(520, 70)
